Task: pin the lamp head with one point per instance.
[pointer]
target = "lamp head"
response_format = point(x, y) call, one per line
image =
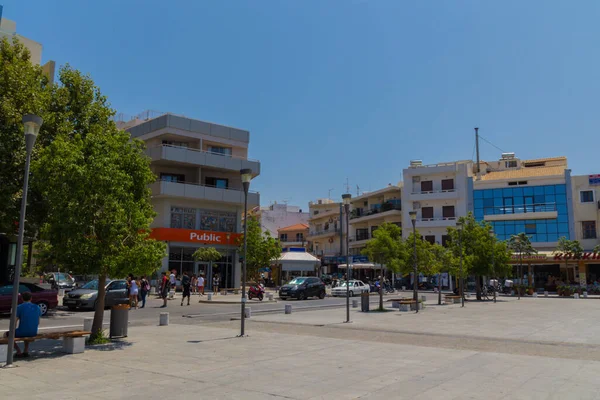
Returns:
point(246, 175)
point(346, 198)
point(413, 215)
point(32, 124)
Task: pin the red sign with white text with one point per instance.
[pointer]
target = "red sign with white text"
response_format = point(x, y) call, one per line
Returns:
point(195, 236)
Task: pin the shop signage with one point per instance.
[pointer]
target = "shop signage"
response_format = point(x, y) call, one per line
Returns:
point(529, 257)
point(195, 236)
point(594, 180)
point(342, 260)
point(571, 256)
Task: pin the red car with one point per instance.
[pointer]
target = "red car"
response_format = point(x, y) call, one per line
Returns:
point(44, 298)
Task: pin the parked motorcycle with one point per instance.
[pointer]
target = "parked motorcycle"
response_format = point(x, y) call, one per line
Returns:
point(257, 291)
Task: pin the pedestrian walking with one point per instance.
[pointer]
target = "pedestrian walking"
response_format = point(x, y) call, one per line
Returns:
point(194, 285)
point(133, 291)
point(172, 280)
point(216, 283)
point(144, 289)
point(200, 284)
point(185, 285)
point(164, 288)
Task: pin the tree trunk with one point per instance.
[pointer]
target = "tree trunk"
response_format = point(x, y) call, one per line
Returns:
point(478, 286)
point(439, 289)
point(99, 312)
point(380, 295)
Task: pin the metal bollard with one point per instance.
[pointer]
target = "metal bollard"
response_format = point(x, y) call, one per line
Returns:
point(248, 312)
point(164, 319)
point(61, 292)
point(545, 293)
point(288, 308)
point(423, 299)
point(153, 290)
point(354, 303)
point(576, 296)
point(270, 296)
point(87, 324)
point(585, 295)
point(209, 297)
point(534, 294)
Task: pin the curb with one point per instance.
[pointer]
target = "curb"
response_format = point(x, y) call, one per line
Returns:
point(236, 302)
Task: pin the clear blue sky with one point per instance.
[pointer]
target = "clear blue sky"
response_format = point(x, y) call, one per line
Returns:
point(345, 89)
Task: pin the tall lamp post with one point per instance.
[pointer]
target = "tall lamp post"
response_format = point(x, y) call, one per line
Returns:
point(462, 273)
point(413, 219)
point(246, 178)
point(32, 124)
point(493, 236)
point(346, 200)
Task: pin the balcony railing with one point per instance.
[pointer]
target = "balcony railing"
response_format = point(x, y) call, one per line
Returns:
point(433, 191)
point(359, 213)
point(359, 237)
point(438, 219)
point(520, 209)
point(292, 240)
point(324, 232)
point(202, 151)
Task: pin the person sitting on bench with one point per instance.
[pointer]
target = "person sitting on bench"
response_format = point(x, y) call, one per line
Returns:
point(28, 317)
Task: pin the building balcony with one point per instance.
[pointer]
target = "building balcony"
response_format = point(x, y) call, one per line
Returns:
point(201, 158)
point(437, 222)
point(323, 234)
point(450, 194)
point(196, 191)
point(527, 211)
point(330, 214)
point(359, 240)
point(375, 214)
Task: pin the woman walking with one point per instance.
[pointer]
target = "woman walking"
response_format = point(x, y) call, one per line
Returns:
point(144, 289)
point(133, 291)
point(194, 287)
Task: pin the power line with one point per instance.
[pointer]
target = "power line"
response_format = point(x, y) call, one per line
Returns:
point(490, 143)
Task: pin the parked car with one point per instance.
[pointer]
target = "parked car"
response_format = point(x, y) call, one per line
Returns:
point(355, 287)
point(302, 288)
point(81, 280)
point(60, 280)
point(46, 299)
point(86, 296)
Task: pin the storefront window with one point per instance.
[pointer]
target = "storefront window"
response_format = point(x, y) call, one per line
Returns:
point(183, 217)
point(209, 220)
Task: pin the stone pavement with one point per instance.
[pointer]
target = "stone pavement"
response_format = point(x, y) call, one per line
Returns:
point(291, 358)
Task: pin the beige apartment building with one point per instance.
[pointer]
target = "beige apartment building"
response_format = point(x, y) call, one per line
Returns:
point(294, 236)
point(586, 209)
point(325, 232)
point(370, 210)
point(8, 30)
point(198, 195)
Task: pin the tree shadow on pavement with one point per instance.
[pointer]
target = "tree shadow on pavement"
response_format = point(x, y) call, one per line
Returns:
point(52, 349)
point(212, 340)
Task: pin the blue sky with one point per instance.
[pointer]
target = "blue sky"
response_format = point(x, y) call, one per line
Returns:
point(339, 89)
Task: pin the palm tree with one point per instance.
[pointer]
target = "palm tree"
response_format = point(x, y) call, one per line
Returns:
point(521, 244)
point(572, 247)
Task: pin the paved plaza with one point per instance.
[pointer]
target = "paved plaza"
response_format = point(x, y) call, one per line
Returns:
point(527, 349)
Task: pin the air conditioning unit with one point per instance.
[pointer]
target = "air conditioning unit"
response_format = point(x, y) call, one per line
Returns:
point(416, 163)
point(416, 179)
point(416, 205)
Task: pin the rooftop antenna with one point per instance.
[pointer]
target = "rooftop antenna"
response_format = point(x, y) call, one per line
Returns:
point(477, 149)
point(357, 190)
point(329, 193)
point(347, 186)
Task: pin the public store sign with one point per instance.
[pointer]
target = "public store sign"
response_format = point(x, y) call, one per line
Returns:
point(195, 236)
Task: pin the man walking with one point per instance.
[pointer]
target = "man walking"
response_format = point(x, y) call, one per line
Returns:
point(185, 285)
point(28, 317)
point(201, 285)
point(164, 288)
point(172, 280)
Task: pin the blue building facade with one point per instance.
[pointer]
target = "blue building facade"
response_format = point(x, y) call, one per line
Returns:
point(526, 202)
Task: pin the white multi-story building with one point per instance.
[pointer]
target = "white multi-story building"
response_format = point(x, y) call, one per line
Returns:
point(277, 216)
point(325, 235)
point(439, 193)
point(586, 209)
point(198, 195)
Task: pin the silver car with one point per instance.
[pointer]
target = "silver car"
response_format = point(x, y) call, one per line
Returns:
point(86, 296)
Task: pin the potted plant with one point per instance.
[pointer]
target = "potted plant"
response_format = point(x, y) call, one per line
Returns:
point(530, 290)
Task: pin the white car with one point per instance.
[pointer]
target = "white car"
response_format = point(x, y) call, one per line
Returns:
point(355, 288)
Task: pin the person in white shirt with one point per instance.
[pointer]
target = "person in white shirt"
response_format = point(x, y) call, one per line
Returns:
point(201, 285)
point(172, 280)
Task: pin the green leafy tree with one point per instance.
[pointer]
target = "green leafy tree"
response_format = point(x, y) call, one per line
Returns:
point(441, 259)
point(95, 188)
point(426, 263)
point(386, 248)
point(477, 246)
point(521, 244)
point(23, 89)
point(597, 248)
point(262, 248)
point(571, 249)
point(207, 254)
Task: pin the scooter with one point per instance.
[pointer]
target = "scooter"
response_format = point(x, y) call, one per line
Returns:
point(257, 291)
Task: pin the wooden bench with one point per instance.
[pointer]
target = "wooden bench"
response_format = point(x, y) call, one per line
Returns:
point(73, 341)
point(451, 299)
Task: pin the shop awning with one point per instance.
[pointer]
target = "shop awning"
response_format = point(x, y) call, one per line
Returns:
point(297, 261)
point(361, 266)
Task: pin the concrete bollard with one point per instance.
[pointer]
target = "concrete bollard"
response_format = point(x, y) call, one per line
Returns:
point(270, 296)
point(61, 292)
point(403, 287)
point(576, 296)
point(534, 294)
point(209, 296)
point(153, 290)
point(545, 293)
point(3, 353)
point(354, 303)
point(288, 308)
point(164, 319)
point(585, 295)
point(171, 294)
point(87, 324)
point(248, 312)
point(423, 299)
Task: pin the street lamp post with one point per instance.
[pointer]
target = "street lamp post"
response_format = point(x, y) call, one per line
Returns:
point(413, 219)
point(246, 178)
point(346, 200)
point(494, 260)
point(462, 273)
point(32, 124)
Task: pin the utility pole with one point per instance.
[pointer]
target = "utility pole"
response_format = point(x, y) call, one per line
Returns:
point(477, 149)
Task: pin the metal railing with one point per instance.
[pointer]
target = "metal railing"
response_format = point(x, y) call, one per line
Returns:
point(324, 232)
point(520, 209)
point(434, 191)
point(438, 219)
point(202, 151)
point(358, 213)
point(359, 237)
point(203, 185)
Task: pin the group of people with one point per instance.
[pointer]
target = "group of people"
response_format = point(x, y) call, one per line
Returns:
point(138, 290)
point(193, 284)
